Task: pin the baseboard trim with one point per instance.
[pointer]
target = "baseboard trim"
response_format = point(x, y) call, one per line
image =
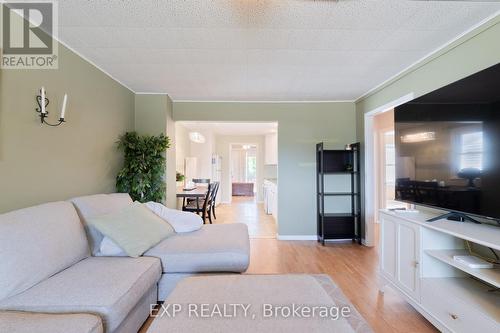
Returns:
point(297, 237)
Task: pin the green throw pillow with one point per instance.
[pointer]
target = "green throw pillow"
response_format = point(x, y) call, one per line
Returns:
point(135, 229)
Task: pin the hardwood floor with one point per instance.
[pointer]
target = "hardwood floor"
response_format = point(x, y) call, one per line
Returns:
point(352, 267)
point(247, 210)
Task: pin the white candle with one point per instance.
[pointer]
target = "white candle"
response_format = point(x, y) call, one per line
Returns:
point(43, 100)
point(63, 109)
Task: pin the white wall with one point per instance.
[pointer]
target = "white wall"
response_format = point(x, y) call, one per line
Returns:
point(223, 148)
point(203, 153)
point(182, 147)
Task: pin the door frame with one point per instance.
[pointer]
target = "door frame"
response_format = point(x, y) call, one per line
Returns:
point(380, 170)
point(369, 167)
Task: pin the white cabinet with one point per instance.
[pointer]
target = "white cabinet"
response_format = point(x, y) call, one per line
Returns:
point(388, 242)
point(271, 149)
point(274, 201)
point(399, 254)
point(408, 276)
point(271, 198)
point(416, 259)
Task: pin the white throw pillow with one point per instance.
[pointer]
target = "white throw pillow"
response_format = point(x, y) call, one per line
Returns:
point(179, 220)
point(109, 248)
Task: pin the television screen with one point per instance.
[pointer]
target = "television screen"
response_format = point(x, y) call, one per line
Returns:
point(448, 147)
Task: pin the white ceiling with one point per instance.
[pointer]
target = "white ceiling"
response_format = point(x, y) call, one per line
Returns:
point(227, 128)
point(261, 49)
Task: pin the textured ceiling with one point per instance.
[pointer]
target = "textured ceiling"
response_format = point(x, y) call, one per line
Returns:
point(261, 49)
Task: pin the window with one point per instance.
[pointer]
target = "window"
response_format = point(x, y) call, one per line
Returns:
point(471, 151)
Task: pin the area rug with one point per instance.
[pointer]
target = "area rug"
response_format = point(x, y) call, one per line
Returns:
point(258, 303)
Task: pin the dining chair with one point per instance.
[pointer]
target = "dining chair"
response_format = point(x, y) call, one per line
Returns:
point(201, 180)
point(214, 198)
point(202, 206)
point(197, 181)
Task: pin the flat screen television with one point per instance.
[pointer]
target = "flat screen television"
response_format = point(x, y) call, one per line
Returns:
point(448, 147)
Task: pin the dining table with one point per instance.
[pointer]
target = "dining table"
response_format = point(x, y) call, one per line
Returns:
point(197, 192)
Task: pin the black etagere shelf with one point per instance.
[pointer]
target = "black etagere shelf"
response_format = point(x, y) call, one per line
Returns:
point(344, 225)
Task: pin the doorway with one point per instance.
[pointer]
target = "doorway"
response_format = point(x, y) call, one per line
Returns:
point(385, 162)
point(242, 157)
point(243, 170)
point(370, 169)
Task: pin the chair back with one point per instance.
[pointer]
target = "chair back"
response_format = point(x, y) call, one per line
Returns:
point(207, 202)
point(215, 189)
point(201, 180)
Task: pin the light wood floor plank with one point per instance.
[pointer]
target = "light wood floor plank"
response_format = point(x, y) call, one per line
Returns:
point(354, 268)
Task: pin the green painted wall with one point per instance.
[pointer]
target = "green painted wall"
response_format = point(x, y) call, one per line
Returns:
point(153, 116)
point(473, 52)
point(39, 163)
point(301, 126)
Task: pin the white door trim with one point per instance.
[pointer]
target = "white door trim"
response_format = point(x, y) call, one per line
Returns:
point(370, 175)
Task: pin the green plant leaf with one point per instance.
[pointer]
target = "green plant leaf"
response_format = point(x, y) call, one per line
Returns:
point(143, 172)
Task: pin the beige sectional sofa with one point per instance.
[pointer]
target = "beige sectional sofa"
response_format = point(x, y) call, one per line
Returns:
point(23, 322)
point(50, 264)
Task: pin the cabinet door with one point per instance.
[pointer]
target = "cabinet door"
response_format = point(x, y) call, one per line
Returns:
point(275, 202)
point(408, 277)
point(271, 200)
point(388, 248)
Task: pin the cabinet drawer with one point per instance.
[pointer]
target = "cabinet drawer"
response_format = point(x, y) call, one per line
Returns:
point(455, 314)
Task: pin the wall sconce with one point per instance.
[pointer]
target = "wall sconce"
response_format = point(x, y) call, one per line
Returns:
point(43, 102)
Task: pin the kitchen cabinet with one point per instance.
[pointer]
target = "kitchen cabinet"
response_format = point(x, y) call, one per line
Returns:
point(271, 149)
point(274, 201)
point(271, 198)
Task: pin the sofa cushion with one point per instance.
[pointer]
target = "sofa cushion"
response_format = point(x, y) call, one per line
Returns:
point(95, 205)
point(29, 322)
point(179, 220)
point(38, 242)
point(109, 248)
point(109, 287)
point(213, 248)
point(135, 228)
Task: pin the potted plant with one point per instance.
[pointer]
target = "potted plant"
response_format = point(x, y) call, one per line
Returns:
point(179, 177)
point(143, 172)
